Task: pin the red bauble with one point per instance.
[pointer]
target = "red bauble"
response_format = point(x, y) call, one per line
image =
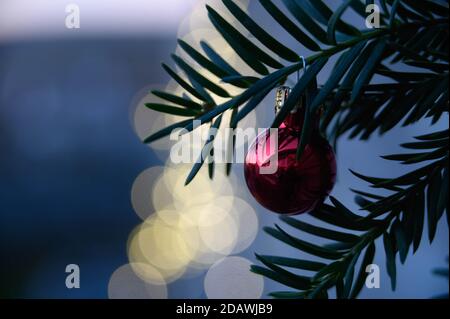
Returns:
point(297, 186)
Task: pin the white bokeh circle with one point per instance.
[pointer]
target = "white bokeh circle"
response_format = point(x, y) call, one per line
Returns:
point(230, 278)
point(124, 283)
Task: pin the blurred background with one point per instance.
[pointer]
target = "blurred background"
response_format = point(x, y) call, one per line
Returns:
point(77, 185)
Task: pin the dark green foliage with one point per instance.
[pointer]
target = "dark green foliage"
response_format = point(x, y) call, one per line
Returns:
point(365, 93)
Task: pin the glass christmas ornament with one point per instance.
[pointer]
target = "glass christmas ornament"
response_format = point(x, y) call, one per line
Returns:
point(291, 186)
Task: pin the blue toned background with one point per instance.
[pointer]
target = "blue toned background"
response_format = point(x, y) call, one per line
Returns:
point(69, 156)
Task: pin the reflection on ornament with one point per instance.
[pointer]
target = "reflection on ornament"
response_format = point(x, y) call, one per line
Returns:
point(296, 186)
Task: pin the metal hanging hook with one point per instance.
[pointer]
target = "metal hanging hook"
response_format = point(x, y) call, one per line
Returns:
point(303, 68)
point(282, 92)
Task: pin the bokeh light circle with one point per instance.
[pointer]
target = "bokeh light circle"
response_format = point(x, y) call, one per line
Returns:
point(124, 283)
point(168, 244)
point(141, 191)
point(230, 278)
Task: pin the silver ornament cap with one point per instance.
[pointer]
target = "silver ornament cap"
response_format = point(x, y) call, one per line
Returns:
point(281, 96)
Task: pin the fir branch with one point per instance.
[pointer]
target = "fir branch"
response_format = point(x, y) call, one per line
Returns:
point(413, 36)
